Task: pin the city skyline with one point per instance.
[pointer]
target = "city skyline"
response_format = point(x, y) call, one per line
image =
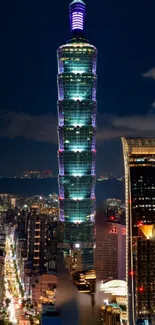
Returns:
point(73, 247)
point(28, 80)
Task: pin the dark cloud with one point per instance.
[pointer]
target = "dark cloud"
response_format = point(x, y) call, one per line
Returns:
point(43, 128)
point(150, 74)
point(39, 127)
point(142, 123)
point(132, 126)
point(153, 104)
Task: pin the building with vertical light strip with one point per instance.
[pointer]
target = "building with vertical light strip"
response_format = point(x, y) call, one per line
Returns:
point(139, 159)
point(76, 131)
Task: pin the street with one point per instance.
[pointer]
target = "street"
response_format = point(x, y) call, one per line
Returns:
point(13, 295)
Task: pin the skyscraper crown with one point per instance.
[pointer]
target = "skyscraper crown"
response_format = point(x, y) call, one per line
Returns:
point(77, 11)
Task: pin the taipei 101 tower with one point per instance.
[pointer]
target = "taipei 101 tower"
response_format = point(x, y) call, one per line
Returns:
point(77, 131)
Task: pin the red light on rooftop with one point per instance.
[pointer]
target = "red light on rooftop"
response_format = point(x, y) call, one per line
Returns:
point(141, 289)
point(131, 273)
point(112, 218)
point(129, 201)
point(140, 223)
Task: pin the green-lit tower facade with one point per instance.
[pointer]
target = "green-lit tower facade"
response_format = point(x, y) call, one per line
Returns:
point(77, 132)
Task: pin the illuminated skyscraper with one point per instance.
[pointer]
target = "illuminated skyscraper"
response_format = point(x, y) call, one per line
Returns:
point(139, 159)
point(110, 251)
point(77, 129)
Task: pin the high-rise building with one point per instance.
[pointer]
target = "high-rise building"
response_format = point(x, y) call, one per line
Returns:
point(139, 159)
point(110, 251)
point(36, 242)
point(77, 129)
point(51, 247)
point(115, 211)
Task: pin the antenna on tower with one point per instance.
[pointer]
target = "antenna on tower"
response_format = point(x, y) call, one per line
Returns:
point(77, 13)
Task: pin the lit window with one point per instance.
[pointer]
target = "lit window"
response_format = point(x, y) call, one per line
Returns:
point(123, 231)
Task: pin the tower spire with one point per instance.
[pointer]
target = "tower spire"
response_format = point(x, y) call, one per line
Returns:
point(77, 12)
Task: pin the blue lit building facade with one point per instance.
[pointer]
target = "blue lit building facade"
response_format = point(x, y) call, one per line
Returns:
point(77, 131)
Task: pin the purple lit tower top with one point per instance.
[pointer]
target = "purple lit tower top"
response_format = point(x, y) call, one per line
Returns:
point(77, 10)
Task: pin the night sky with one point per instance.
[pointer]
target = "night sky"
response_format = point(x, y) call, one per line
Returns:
point(30, 33)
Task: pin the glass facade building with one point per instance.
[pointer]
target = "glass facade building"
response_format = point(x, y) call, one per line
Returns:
point(76, 132)
point(139, 159)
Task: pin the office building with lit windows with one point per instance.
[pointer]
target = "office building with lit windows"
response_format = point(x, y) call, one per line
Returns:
point(76, 131)
point(36, 242)
point(139, 159)
point(110, 254)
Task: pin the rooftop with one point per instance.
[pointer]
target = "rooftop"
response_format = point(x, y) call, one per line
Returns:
point(114, 287)
point(77, 1)
point(139, 145)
